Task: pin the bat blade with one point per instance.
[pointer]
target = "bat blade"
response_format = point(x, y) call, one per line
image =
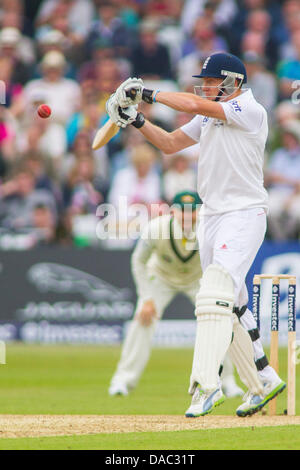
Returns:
point(105, 134)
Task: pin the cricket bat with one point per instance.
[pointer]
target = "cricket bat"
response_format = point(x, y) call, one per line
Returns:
point(109, 130)
point(105, 134)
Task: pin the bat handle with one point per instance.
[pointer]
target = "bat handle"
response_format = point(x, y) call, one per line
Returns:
point(131, 93)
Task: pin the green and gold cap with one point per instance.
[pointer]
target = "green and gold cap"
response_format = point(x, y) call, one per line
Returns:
point(185, 198)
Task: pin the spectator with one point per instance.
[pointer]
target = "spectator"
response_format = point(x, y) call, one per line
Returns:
point(261, 81)
point(51, 40)
point(289, 71)
point(44, 225)
point(253, 42)
point(102, 49)
point(129, 140)
point(19, 198)
point(78, 13)
point(47, 138)
point(109, 26)
point(170, 33)
point(89, 119)
point(247, 7)
point(130, 12)
point(63, 95)
point(10, 39)
point(138, 183)
point(179, 177)
point(108, 78)
point(11, 92)
point(287, 49)
point(224, 11)
point(8, 132)
point(83, 192)
point(204, 38)
point(283, 182)
point(86, 190)
point(82, 148)
point(150, 59)
point(41, 171)
point(286, 111)
point(290, 14)
point(157, 9)
point(204, 42)
point(259, 22)
point(104, 52)
point(14, 21)
point(54, 40)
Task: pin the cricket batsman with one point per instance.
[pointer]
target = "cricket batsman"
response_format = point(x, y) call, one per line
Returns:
point(232, 129)
point(165, 263)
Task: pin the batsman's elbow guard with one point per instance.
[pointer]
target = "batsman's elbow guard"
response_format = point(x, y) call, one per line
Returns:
point(140, 121)
point(216, 294)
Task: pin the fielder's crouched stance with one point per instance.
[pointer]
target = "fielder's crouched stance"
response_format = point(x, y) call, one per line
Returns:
point(232, 129)
point(165, 263)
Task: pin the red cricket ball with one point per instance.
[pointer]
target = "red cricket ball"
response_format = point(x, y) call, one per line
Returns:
point(44, 111)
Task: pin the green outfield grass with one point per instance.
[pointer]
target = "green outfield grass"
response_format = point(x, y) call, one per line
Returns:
point(267, 438)
point(74, 380)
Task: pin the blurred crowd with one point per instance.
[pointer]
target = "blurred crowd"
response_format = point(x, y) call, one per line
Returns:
point(72, 54)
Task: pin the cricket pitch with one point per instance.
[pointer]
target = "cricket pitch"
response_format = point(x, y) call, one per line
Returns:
point(18, 426)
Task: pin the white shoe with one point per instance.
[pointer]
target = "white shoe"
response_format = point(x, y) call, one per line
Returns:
point(272, 389)
point(118, 389)
point(231, 389)
point(204, 403)
point(254, 403)
point(251, 404)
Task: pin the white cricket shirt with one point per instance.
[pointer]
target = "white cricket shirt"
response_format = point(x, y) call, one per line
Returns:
point(230, 166)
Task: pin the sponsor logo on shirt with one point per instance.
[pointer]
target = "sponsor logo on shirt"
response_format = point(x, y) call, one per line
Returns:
point(205, 120)
point(236, 105)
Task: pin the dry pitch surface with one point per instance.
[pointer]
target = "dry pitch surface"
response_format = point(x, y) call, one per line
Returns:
point(17, 426)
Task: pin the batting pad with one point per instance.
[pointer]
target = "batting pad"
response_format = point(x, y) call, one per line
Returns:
point(213, 337)
point(216, 295)
point(242, 355)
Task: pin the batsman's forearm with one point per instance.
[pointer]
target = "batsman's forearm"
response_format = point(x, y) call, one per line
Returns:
point(158, 137)
point(190, 103)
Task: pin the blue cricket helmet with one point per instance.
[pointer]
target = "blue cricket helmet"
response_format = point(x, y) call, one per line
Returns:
point(222, 65)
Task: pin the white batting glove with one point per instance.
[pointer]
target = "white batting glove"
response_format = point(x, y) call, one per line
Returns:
point(130, 92)
point(121, 117)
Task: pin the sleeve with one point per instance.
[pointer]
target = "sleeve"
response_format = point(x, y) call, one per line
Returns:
point(246, 116)
point(193, 128)
point(140, 257)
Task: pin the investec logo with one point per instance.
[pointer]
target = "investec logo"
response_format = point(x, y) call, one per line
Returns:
point(291, 308)
point(255, 305)
point(274, 321)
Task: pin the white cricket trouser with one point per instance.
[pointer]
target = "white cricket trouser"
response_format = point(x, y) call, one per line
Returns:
point(137, 345)
point(232, 240)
